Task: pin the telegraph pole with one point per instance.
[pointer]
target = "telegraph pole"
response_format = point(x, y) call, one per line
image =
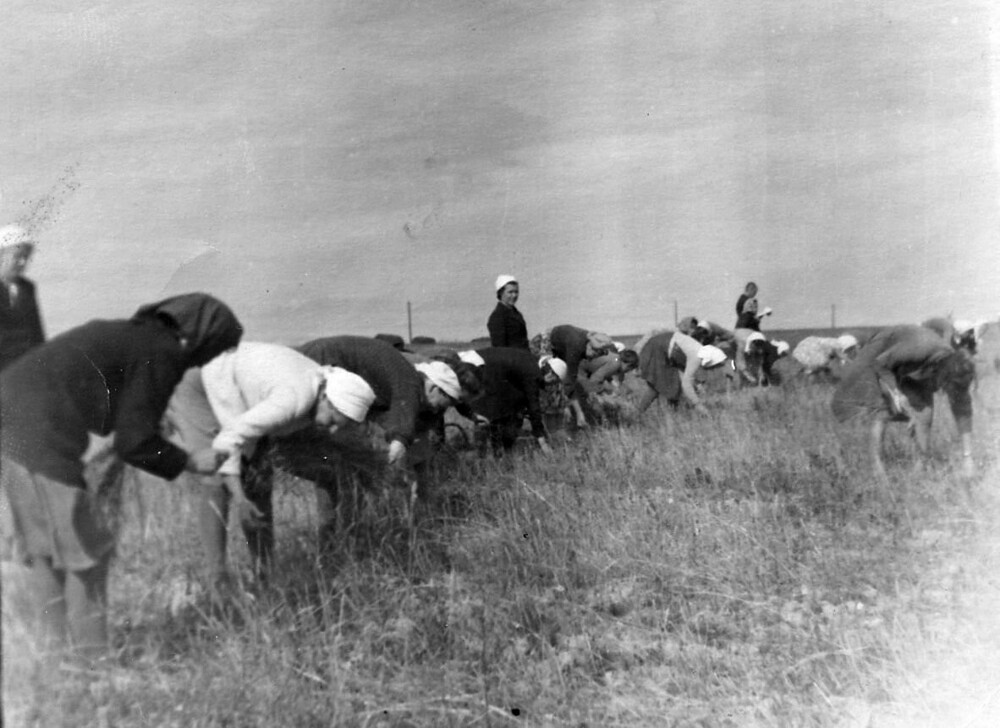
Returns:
point(409, 322)
point(675, 313)
point(833, 315)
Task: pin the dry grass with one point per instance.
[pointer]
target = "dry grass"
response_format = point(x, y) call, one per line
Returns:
point(733, 570)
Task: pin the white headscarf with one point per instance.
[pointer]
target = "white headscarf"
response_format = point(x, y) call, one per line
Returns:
point(11, 235)
point(963, 326)
point(503, 280)
point(847, 341)
point(472, 357)
point(349, 393)
point(442, 376)
point(710, 356)
point(755, 336)
point(781, 346)
point(558, 366)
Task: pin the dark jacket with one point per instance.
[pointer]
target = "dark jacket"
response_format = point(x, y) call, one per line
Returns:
point(20, 322)
point(109, 377)
point(569, 343)
point(507, 328)
point(398, 388)
point(512, 381)
point(909, 356)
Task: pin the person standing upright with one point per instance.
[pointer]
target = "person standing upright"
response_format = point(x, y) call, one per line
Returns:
point(20, 320)
point(506, 324)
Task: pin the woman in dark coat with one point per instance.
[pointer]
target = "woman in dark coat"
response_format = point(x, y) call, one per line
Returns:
point(506, 324)
point(894, 378)
point(20, 320)
point(107, 376)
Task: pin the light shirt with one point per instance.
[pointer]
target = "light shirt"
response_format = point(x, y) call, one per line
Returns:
point(259, 389)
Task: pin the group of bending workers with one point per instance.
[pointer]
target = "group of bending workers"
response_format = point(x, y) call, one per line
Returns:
point(181, 393)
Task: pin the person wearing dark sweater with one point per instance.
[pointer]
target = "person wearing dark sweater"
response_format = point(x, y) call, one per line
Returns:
point(572, 345)
point(20, 320)
point(894, 378)
point(506, 324)
point(513, 380)
point(104, 377)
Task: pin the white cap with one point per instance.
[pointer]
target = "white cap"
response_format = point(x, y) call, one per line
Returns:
point(349, 393)
point(11, 235)
point(472, 357)
point(619, 346)
point(558, 366)
point(767, 311)
point(781, 346)
point(502, 281)
point(847, 341)
point(963, 326)
point(702, 324)
point(442, 376)
point(711, 356)
point(755, 336)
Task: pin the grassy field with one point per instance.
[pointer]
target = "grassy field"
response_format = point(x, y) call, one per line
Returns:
point(740, 569)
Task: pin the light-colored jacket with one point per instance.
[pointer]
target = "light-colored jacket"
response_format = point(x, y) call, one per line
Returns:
point(259, 389)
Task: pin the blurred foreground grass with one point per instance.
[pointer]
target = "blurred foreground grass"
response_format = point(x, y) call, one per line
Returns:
point(735, 570)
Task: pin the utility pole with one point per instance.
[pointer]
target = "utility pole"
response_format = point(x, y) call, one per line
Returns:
point(409, 322)
point(833, 315)
point(675, 313)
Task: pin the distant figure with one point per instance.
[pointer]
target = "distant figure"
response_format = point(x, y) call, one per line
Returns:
point(894, 379)
point(748, 356)
point(20, 320)
point(961, 334)
point(704, 331)
point(816, 354)
point(668, 364)
point(750, 317)
point(104, 377)
point(396, 341)
point(749, 291)
point(605, 372)
point(506, 324)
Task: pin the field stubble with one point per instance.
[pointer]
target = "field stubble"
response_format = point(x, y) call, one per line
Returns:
point(731, 570)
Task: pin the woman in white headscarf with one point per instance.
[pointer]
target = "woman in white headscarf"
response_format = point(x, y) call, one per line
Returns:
point(242, 396)
point(506, 324)
point(668, 363)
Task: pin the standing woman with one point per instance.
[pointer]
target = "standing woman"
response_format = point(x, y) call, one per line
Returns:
point(506, 324)
point(668, 363)
point(20, 321)
point(100, 378)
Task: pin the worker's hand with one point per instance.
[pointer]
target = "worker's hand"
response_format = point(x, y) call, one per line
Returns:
point(397, 451)
point(246, 512)
point(898, 401)
point(701, 409)
point(481, 421)
point(543, 444)
point(206, 461)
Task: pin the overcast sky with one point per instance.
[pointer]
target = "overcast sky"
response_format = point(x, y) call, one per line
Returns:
point(317, 164)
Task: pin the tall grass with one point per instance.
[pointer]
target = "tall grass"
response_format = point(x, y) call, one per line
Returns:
point(730, 570)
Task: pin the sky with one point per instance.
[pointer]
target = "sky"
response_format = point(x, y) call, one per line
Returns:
point(318, 164)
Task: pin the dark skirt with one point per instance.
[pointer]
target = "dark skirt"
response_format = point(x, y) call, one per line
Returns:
point(661, 371)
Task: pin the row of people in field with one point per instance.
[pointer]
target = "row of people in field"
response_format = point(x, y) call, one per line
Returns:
point(181, 362)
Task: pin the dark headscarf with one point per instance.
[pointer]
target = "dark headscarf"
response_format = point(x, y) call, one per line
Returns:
point(207, 324)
